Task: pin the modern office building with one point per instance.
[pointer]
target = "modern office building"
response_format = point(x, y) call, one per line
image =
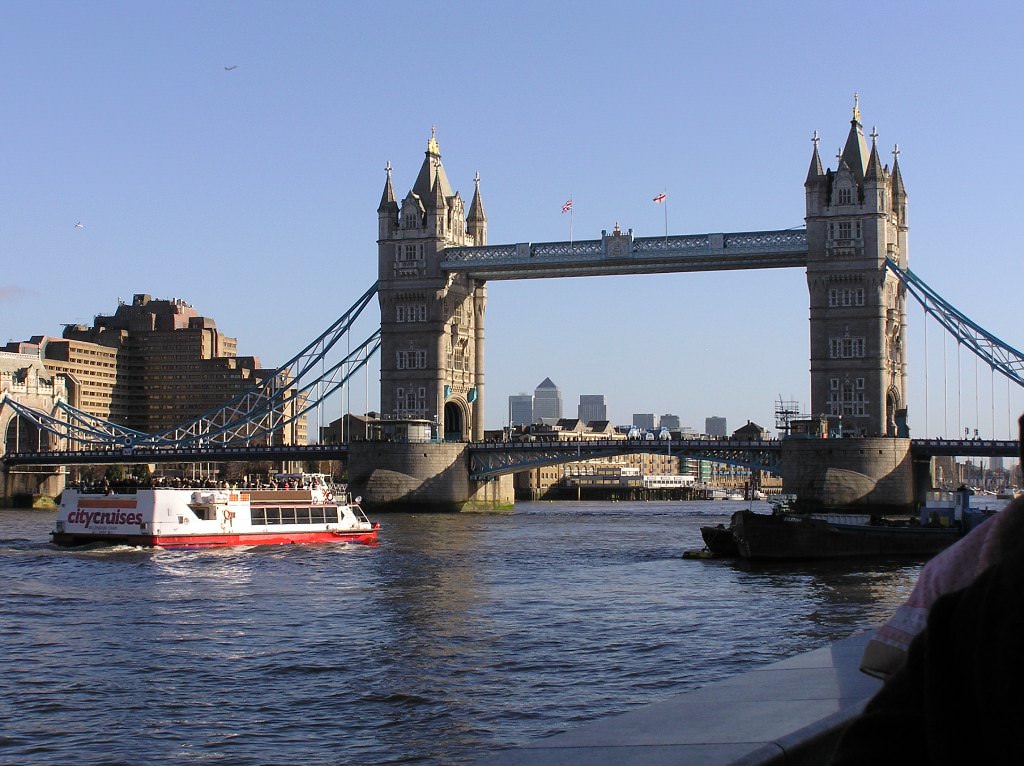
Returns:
point(644, 420)
point(547, 402)
point(152, 365)
point(592, 408)
point(715, 426)
point(671, 422)
point(520, 410)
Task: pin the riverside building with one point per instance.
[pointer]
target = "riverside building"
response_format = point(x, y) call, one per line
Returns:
point(152, 365)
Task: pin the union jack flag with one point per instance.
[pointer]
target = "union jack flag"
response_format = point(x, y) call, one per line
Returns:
point(567, 206)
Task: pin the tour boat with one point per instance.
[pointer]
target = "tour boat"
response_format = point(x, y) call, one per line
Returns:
point(208, 518)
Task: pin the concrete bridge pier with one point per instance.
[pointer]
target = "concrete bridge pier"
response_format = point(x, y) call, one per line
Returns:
point(410, 476)
point(873, 474)
point(18, 483)
point(924, 476)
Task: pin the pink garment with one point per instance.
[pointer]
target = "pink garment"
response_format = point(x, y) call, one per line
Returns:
point(953, 569)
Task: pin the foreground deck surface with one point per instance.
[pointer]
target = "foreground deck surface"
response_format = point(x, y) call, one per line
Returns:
point(789, 712)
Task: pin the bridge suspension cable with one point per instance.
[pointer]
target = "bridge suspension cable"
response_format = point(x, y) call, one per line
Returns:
point(998, 354)
point(279, 399)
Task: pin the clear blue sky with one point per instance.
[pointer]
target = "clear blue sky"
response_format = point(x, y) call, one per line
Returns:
point(252, 193)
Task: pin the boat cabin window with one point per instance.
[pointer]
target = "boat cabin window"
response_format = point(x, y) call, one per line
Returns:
point(315, 515)
point(204, 512)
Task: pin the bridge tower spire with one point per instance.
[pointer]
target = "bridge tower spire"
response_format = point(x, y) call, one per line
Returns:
point(432, 322)
point(856, 219)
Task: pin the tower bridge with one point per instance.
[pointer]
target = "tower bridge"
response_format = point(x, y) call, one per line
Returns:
point(434, 263)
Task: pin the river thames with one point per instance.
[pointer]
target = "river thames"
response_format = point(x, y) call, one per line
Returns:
point(457, 636)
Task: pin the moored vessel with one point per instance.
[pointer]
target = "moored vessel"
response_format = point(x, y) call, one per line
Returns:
point(164, 517)
point(787, 534)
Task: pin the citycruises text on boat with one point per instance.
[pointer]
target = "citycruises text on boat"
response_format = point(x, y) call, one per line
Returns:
point(208, 518)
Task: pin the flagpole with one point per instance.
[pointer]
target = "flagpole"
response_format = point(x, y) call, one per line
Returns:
point(567, 208)
point(665, 192)
point(571, 208)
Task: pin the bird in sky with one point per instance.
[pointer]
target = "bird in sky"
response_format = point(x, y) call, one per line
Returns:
point(230, 67)
point(79, 225)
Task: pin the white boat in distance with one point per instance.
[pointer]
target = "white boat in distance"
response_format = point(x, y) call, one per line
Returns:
point(209, 518)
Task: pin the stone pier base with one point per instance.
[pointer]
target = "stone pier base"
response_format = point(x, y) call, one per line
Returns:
point(17, 484)
point(397, 476)
point(873, 474)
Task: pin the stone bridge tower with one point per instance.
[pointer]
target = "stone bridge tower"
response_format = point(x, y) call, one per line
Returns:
point(24, 379)
point(432, 323)
point(856, 219)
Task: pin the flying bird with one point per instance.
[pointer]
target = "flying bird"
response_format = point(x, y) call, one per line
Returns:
point(229, 68)
point(79, 225)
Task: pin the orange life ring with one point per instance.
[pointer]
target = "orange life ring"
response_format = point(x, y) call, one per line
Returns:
point(329, 496)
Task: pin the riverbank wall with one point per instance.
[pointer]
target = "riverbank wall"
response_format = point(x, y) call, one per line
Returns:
point(788, 713)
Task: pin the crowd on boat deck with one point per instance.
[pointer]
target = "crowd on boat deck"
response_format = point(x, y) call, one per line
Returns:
point(129, 485)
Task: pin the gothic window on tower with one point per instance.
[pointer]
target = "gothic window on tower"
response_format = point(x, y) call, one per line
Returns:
point(846, 397)
point(844, 196)
point(412, 359)
point(460, 361)
point(411, 312)
point(411, 402)
point(845, 347)
point(410, 217)
point(846, 296)
point(844, 230)
point(409, 252)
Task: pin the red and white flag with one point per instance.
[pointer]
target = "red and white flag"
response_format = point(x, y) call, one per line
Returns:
point(567, 206)
point(661, 197)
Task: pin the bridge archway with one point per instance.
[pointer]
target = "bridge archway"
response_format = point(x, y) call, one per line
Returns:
point(21, 435)
point(892, 407)
point(454, 423)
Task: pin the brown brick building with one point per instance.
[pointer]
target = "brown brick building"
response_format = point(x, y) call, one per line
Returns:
point(151, 365)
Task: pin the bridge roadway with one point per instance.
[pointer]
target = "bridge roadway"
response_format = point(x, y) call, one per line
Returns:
point(492, 459)
point(621, 253)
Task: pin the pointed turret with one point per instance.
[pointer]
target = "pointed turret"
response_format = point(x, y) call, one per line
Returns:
point(815, 172)
point(437, 207)
point(817, 185)
point(899, 192)
point(855, 152)
point(477, 219)
point(874, 170)
point(387, 211)
point(387, 199)
point(432, 172)
point(897, 177)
